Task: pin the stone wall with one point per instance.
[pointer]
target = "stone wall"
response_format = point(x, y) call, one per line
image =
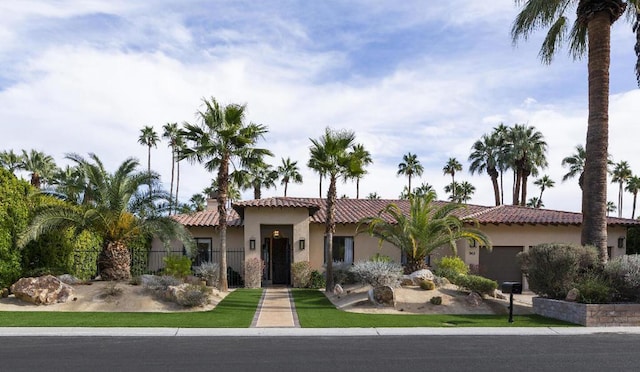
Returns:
point(590, 315)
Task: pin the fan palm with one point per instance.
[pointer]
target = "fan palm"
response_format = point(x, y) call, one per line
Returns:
point(289, 172)
point(40, 166)
point(451, 167)
point(621, 173)
point(591, 33)
point(10, 161)
point(633, 186)
point(544, 182)
point(221, 137)
point(484, 158)
point(575, 162)
point(527, 154)
point(119, 211)
point(172, 134)
point(338, 163)
point(316, 159)
point(148, 137)
point(427, 227)
point(364, 157)
point(409, 167)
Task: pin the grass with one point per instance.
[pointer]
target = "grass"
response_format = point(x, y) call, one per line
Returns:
point(236, 310)
point(316, 311)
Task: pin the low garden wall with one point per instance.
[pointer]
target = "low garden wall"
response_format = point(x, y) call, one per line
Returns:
point(590, 315)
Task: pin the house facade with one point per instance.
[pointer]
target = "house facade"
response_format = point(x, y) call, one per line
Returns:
point(284, 230)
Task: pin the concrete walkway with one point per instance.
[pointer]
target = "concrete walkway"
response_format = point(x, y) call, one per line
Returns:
point(276, 310)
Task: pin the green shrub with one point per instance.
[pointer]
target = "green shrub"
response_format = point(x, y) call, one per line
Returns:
point(317, 280)
point(624, 273)
point(380, 258)
point(553, 269)
point(594, 289)
point(193, 295)
point(14, 217)
point(436, 300)
point(177, 266)
point(427, 285)
point(476, 283)
point(453, 263)
point(301, 273)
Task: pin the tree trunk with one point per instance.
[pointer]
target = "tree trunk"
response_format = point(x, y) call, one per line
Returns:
point(173, 164)
point(223, 185)
point(114, 262)
point(633, 210)
point(177, 182)
point(409, 189)
point(330, 229)
point(496, 190)
point(257, 192)
point(594, 196)
point(357, 188)
point(516, 186)
point(525, 177)
point(414, 265)
point(320, 186)
point(285, 188)
point(620, 193)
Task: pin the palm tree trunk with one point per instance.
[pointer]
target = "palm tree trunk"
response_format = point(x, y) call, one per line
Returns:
point(493, 173)
point(177, 183)
point(173, 164)
point(516, 186)
point(409, 189)
point(330, 229)
point(523, 198)
point(501, 189)
point(285, 188)
point(257, 191)
point(633, 210)
point(114, 262)
point(320, 186)
point(223, 185)
point(357, 188)
point(620, 192)
point(594, 196)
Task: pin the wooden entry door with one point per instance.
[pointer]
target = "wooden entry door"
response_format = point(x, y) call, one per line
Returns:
point(280, 260)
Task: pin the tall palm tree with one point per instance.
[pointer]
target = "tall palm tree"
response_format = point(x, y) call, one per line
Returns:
point(120, 211)
point(427, 227)
point(171, 133)
point(611, 207)
point(544, 182)
point(591, 32)
point(527, 153)
point(409, 167)
point(148, 137)
point(464, 192)
point(422, 190)
point(10, 161)
point(256, 175)
point(373, 196)
point(316, 159)
point(499, 135)
point(364, 157)
point(575, 162)
point(337, 163)
point(535, 202)
point(484, 158)
point(621, 173)
point(40, 165)
point(633, 186)
point(451, 167)
point(289, 172)
point(220, 137)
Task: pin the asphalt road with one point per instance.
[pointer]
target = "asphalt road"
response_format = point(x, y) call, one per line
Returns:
point(597, 352)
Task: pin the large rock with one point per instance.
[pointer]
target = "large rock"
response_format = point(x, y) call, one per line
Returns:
point(43, 290)
point(383, 295)
point(573, 294)
point(421, 275)
point(474, 299)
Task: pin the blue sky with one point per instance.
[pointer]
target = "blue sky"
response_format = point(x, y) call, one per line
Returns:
point(423, 77)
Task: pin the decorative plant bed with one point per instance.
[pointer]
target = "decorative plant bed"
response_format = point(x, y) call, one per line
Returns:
point(590, 315)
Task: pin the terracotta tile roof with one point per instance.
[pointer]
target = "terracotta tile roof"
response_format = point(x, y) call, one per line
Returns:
point(352, 210)
point(207, 218)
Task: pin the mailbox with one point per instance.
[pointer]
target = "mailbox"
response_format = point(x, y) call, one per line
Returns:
point(512, 287)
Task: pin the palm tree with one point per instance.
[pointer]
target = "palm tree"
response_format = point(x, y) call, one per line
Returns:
point(535, 202)
point(575, 162)
point(373, 196)
point(315, 162)
point(451, 167)
point(499, 135)
point(10, 161)
point(484, 157)
point(289, 172)
point(364, 157)
point(172, 134)
point(40, 165)
point(621, 173)
point(427, 227)
point(410, 166)
point(337, 162)
point(69, 184)
point(256, 175)
point(148, 137)
point(120, 211)
point(464, 192)
point(220, 138)
point(422, 190)
point(611, 207)
point(544, 182)
point(527, 154)
point(591, 32)
point(633, 186)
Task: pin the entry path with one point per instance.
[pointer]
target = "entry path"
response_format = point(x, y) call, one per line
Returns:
point(276, 309)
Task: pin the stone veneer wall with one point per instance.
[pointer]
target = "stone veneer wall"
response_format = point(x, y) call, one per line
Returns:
point(590, 315)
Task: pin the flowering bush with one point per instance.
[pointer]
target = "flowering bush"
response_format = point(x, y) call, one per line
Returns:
point(377, 273)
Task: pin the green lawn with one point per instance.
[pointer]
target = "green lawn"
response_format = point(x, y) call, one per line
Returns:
point(236, 310)
point(316, 311)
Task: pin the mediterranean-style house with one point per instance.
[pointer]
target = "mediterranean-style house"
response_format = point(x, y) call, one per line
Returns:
point(284, 230)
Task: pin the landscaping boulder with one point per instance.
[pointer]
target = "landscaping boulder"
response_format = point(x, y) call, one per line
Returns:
point(383, 295)
point(338, 290)
point(406, 280)
point(69, 279)
point(421, 275)
point(573, 294)
point(4, 292)
point(44, 290)
point(474, 299)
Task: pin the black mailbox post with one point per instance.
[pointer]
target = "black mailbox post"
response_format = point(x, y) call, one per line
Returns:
point(511, 288)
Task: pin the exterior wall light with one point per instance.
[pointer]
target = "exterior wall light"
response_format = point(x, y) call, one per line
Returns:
point(301, 244)
point(252, 244)
point(621, 242)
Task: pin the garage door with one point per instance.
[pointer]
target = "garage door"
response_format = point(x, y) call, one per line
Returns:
point(500, 264)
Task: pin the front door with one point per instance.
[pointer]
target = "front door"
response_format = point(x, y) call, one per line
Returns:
point(281, 260)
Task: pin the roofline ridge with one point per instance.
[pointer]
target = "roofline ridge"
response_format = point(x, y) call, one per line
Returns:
point(487, 210)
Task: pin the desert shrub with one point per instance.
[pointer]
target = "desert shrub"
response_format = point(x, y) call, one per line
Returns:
point(209, 271)
point(301, 273)
point(111, 290)
point(440, 281)
point(160, 283)
point(177, 266)
point(317, 280)
point(427, 285)
point(377, 273)
point(476, 283)
point(436, 300)
point(624, 273)
point(342, 273)
point(454, 264)
point(594, 288)
point(553, 269)
point(193, 295)
point(380, 258)
point(253, 269)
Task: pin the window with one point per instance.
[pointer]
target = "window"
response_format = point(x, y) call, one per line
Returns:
point(342, 249)
point(203, 251)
